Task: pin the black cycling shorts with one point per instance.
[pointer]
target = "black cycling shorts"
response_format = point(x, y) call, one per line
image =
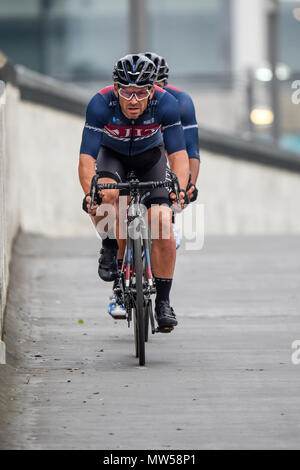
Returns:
point(148, 166)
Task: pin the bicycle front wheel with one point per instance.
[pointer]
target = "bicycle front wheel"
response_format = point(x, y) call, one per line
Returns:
point(139, 302)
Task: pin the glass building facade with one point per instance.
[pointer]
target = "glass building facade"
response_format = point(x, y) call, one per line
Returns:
point(194, 35)
point(289, 35)
point(66, 39)
point(81, 39)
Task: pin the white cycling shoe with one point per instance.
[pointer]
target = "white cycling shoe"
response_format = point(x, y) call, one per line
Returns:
point(176, 236)
point(117, 311)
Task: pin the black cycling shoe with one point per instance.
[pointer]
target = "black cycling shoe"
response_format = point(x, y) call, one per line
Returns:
point(108, 267)
point(165, 315)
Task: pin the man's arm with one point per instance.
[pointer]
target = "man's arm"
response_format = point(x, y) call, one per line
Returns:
point(190, 129)
point(86, 171)
point(174, 140)
point(194, 164)
point(90, 145)
point(179, 164)
point(96, 117)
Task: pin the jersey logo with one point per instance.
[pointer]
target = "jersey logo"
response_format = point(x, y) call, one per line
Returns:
point(128, 132)
point(149, 121)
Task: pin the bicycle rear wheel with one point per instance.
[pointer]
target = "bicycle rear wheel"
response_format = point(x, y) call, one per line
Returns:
point(136, 344)
point(139, 323)
point(146, 321)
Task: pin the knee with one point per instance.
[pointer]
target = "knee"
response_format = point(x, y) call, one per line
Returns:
point(161, 223)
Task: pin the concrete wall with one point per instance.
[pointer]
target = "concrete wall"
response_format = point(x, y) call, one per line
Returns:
point(51, 193)
point(2, 223)
point(239, 197)
point(246, 198)
point(9, 180)
point(39, 187)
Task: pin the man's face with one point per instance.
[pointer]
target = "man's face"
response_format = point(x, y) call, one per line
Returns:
point(132, 108)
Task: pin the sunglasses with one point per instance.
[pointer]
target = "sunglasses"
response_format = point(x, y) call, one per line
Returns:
point(139, 95)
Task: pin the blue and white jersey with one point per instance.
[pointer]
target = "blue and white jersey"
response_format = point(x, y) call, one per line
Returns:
point(188, 120)
point(106, 125)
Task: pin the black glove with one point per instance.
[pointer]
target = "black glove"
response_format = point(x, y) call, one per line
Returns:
point(84, 203)
point(195, 192)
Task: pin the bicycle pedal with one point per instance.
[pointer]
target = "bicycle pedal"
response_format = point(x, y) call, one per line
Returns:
point(118, 316)
point(164, 329)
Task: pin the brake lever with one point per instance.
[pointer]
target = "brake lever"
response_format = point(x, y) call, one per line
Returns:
point(189, 181)
point(176, 188)
point(176, 191)
point(93, 190)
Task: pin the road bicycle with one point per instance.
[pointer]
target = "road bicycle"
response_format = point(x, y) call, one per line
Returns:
point(136, 283)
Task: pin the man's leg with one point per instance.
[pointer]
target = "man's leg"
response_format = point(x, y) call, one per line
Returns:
point(105, 226)
point(110, 170)
point(110, 262)
point(163, 254)
point(121, 212)
point(163, 257)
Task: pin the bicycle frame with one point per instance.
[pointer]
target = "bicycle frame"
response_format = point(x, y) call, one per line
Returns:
point(136, 223)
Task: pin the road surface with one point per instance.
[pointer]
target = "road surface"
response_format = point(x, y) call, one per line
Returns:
point(224, 379)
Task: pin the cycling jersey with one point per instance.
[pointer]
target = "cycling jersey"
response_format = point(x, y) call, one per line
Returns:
point(188, 120)
point(107, 126)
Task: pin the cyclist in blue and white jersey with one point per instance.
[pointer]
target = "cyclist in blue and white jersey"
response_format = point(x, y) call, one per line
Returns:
point(128, 126)
point(189, 124)
point(187, 117)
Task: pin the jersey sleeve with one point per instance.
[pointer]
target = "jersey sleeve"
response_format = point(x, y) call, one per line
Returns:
point(189, 125)
point(171, 125)
point(96, 118)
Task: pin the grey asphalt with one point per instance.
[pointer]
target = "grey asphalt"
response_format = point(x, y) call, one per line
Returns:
point(224, 379)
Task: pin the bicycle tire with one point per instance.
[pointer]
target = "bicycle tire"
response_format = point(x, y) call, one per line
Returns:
point(139, 301)
point(146, 322)
point(148, 304)
point(136, 344)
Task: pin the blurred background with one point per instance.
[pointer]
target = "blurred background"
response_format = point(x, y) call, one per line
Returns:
point(237, 58)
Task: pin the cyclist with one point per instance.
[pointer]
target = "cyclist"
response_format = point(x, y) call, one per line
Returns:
point(123, 131)
point(189, 123)
point(187, 117)
point(190, 127)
